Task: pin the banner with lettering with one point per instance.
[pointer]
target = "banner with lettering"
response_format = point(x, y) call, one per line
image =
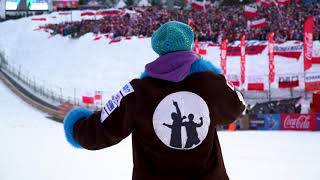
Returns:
point(223, 56)
point(299, 122)
point(271, 56)
point(252, 48)
point(308, 42)
point(289, 81)
point(288, 50)
point(265, 122)
point(243, 58)
point(312, 81)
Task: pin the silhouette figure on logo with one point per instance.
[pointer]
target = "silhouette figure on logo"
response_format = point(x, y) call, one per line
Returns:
point(191, 128)
point(175, 140)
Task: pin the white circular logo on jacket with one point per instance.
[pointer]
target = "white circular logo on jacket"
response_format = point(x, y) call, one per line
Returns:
point(181, 120)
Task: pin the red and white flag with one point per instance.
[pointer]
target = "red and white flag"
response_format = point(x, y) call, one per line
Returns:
point(88, 98)
point(98, 95)
point(264, 3)
point(260, 23)
point(223, 55)
point(271, 57)
point(242, 58)
point(308, 42)
point(250, 12)
point(198, 5)
point(282, 2)
point(255, 83)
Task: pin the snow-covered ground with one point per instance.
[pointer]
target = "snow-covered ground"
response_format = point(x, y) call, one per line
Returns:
point(33, 148)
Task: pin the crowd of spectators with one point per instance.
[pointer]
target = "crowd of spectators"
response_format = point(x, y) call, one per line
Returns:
point(213, 24)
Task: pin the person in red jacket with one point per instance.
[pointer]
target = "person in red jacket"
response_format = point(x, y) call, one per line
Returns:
point(172, 112)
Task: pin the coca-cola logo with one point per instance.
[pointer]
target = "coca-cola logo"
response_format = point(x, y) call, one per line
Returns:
point(308, 39)
point(300, 122)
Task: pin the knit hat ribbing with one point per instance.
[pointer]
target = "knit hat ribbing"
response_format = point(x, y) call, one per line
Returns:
point(172, 36)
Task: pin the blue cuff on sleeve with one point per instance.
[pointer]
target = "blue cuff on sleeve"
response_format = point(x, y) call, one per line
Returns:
point(70, 120)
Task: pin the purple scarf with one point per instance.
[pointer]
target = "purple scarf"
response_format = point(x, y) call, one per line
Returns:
point(173, 66)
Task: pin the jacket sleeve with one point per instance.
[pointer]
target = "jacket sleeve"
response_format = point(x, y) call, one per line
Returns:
point(107, 127)
point(230, 103)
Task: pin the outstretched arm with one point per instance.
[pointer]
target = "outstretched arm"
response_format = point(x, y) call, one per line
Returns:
point(177, 108)
point(168, 125)
point(201, 123)
point(101, 129)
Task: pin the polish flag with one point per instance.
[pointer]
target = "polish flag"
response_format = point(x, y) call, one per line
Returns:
point(257, 23)
point(88, 98)
point(98, 95)
point(250, 12)
point(198, 5)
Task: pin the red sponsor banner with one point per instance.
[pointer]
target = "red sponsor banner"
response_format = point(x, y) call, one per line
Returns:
point(39, 19)
point(111, 12)
point(312, 82)
point(289, 81)
point(299, 122)
point(260, 23)
point(255, 87)
point(88, 99)
point(242, 59)
point(251, 49)
point(250, 12)
point(308, 42)
point(88, 13)
point(223, 55)
point(291, 51)
point(271, 56)
point(315, 60)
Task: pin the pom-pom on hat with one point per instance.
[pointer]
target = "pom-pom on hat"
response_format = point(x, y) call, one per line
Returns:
point(172, 36)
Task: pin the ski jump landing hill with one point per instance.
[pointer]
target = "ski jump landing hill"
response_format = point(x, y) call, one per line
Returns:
point(52, 69)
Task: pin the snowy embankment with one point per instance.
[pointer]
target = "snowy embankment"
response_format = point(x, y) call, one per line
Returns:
point(77, 66)
point(34, 148)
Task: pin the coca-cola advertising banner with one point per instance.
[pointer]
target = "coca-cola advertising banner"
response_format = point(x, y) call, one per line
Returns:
point(299, 122)
point(308, 42)
point(265, 122)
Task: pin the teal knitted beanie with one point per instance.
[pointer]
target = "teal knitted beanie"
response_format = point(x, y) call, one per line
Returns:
point(172, 36)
